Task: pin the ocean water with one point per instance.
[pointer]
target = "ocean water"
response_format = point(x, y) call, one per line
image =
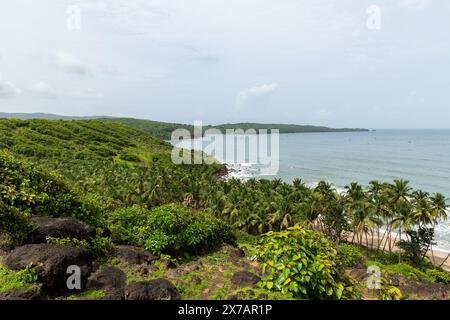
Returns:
point(419, 156)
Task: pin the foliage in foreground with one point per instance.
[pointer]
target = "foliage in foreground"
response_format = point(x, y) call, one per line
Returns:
point(23, 279)
point(169, 229)
point(303, 263)
point(350, 255)
point(27, 189)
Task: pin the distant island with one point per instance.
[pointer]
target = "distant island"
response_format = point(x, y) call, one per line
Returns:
point(163, 130)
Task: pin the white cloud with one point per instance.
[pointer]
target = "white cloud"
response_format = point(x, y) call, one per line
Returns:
point(255, 97)
point(254, 92)
point(415, 4)
point(44, 90)
point(71, 63)
point(8, 89)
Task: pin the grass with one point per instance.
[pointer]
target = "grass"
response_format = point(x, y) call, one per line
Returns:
point(87, 295)
point(23, 279)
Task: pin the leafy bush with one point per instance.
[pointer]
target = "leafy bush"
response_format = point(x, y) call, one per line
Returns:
point(16, 279)
point(418, 244)
point(28, 189)
point(388, 292)
point(406, 270)
point(303, 263)
point(15, 225)
point(350, 255)
point(169, 229)
point(438, 276)
point(128, 223)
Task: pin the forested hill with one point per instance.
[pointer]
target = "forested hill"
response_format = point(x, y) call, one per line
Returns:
point(164, 130)
point(83, 140)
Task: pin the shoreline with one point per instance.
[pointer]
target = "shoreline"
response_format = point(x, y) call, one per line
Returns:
point(435, 255)
point(237, 171)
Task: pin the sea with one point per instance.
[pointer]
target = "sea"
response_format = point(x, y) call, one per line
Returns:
point(420, 156)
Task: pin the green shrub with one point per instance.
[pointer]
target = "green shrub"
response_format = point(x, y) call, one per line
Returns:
point(128, 223)
point(303, 263)
point(388, 292)
point(169, 229)
point(15, 225)
point(406, 270)
point(22, 279)
point(28, 189)
point(438, 276)
point(350, 255)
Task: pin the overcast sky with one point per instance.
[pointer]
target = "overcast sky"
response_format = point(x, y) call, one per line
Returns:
point(327, 62)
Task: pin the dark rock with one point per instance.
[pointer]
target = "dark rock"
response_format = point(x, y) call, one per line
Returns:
point(359, 274)
point(167, 264)
point(21, 294)
point(59, 228)
point(245, 279)
point(144, 270)
point(134, 255)
point(51, 263)
point(196, 280)
point(159, 289)
point(107, 277)
point(236, 253)
point(114, 294)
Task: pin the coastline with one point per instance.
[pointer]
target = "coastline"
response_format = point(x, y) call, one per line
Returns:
point(238, 171)
point(436, 255)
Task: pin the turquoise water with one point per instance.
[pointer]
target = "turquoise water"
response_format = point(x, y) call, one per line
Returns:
point(419, 156)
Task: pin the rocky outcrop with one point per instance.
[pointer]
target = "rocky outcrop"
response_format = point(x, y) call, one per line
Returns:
point(21, 294)
point(159, 289)
point(59, 228)
point(134, 255)
point(245, 279)
point(51, 263)
point(107, 277)
point(111, 280)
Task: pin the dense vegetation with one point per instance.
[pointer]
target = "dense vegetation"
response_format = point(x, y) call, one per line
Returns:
point(109, 174)
point(304, 263)
point(169, 229)
point(163, 130)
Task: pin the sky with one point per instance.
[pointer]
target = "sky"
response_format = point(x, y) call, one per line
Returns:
point(339, 63)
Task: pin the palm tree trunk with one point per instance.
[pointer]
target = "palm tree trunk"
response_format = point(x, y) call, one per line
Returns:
point(443, 262)
point(387, 237)
point(372, 240)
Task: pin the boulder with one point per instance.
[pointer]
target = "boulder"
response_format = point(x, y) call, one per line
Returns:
point(114, 294)
point(159, 289)
point(21, 294)
point(134, 255)
point(59, 228)
point(245, 279)
point(51, 263)
point(107, 277)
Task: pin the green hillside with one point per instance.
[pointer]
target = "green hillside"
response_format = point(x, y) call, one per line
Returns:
point(88, 139)
point(163, 130)
point(109, 161)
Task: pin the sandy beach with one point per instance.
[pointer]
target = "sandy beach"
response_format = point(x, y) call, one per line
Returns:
point(437, 256)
